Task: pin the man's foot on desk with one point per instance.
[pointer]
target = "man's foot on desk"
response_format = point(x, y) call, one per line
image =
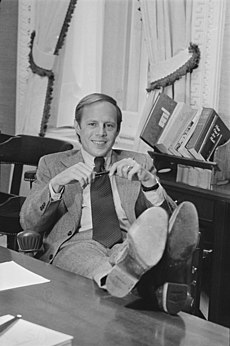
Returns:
point(146, 243)
point(183, 234)
point(172, 297)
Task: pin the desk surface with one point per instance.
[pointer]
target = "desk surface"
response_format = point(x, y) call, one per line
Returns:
point(75, 305)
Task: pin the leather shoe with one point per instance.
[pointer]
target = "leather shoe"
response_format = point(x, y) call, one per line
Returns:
point(183, 234)
point(146, 240)
point(172, 297)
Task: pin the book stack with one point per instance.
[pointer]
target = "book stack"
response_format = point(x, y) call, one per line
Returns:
point(176, 128)
point(195, 176)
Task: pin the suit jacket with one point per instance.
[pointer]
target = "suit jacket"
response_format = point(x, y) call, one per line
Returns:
point(59, 220)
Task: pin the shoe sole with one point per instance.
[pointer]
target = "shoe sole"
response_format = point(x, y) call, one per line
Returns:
point(183, 233)
point(172, 297)
point(147, 239)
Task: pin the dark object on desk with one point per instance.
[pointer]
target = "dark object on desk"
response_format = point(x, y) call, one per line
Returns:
point(18, 151)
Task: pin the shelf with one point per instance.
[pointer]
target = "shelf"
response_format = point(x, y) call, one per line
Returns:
point(171, 160)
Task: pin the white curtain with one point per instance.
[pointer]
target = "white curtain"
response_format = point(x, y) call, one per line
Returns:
point(103, 53)
point(167, 30)
point(78, 70)
point(49, 18)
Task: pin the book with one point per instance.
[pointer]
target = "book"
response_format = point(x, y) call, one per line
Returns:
point(206, 118)
point(26, 333)
point(157, 119)
point(217, 135)
point(181, 144)
point(180, 132)
point(194, 176)
point(180, 119)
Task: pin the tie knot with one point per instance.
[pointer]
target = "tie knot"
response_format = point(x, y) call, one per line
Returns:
point(99, 162)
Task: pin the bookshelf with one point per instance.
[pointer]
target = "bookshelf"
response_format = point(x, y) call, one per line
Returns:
point(167, 165)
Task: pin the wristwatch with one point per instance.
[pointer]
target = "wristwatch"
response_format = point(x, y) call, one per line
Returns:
point(150, 188)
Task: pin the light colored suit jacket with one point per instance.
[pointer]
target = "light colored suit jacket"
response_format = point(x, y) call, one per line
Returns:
point(59, 220)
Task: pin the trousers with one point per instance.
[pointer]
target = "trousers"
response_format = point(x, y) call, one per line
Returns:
point(84, 256)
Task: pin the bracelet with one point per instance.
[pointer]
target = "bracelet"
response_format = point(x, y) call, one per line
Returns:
point(150, 188)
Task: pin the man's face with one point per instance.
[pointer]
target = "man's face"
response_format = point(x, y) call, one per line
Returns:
point(98, 128)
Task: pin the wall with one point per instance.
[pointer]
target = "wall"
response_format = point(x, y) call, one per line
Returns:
point(224, 102)
point(8, 53)
point(8, 49)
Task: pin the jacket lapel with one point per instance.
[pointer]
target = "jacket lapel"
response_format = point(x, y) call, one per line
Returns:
point(73, 192)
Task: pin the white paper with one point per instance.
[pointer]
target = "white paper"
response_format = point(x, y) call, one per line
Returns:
point(12, 275)
point(25, 333)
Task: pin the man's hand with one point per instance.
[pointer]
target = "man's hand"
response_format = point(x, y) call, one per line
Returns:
point(130, 169)
point(78, 172)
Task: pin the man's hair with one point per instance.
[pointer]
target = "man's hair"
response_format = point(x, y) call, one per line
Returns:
point(93, 98)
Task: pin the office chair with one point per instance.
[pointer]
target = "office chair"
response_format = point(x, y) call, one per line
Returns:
point(18, 151)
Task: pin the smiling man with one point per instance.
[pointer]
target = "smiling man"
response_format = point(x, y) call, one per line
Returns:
point(104, 215)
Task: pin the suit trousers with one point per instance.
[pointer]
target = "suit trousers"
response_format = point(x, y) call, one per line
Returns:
point(84, 256)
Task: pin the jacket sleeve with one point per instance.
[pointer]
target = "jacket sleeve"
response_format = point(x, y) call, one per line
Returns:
point(39, 212)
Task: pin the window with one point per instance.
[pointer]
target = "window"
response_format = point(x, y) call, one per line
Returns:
point(104, 52)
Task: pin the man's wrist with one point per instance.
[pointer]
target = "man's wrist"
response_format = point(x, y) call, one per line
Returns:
point(150, 188)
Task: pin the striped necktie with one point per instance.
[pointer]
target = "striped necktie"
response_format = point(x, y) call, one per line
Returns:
point(106, 229)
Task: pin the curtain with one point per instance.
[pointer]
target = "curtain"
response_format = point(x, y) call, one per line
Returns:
point(49, 20)
point(103, 53)
point(167, 30)
point(78, 71)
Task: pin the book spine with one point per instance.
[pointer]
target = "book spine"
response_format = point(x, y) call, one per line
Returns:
point(200, 128)
point(207, 134)
point(218, 134)
point(165, 135)
point(209, 123)
point(185, 153)
point(181, 148)
point(214, 148)
point(157, 119)
point(195, 154)
point(183, 139)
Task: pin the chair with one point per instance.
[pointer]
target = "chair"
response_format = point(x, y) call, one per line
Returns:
point(18, 151)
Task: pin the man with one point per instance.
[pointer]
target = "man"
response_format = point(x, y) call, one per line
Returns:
point(67, 206)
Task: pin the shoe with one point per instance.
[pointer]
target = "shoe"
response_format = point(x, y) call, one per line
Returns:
point(172, 297)
point(183, 234)
point(146, 240)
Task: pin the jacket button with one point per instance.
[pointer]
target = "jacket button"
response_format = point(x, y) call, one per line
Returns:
point(51, 256)
point(42, 206)
point(70, 233)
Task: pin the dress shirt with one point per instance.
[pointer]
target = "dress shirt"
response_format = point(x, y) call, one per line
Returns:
point(156, 197)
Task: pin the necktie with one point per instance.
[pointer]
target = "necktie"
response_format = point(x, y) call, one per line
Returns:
point(106, 229)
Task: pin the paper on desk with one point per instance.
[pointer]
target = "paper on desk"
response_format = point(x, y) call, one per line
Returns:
point(12, 275)
point(25, 333)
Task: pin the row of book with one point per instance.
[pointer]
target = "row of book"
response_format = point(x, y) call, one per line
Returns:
point(195, 176)
point(176, 128)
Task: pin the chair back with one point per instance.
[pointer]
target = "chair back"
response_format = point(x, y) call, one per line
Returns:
point(27, 150)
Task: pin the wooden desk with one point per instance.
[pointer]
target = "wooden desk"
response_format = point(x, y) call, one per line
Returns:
point(214, 218)
point(75, 305)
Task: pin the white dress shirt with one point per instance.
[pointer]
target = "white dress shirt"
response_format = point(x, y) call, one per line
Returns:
point(156, 197)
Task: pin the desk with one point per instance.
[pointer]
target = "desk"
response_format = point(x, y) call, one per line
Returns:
point(213, 208)
point(214, 219)
point(75, 305)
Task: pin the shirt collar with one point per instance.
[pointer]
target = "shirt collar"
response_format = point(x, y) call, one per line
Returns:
point(89, 159)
